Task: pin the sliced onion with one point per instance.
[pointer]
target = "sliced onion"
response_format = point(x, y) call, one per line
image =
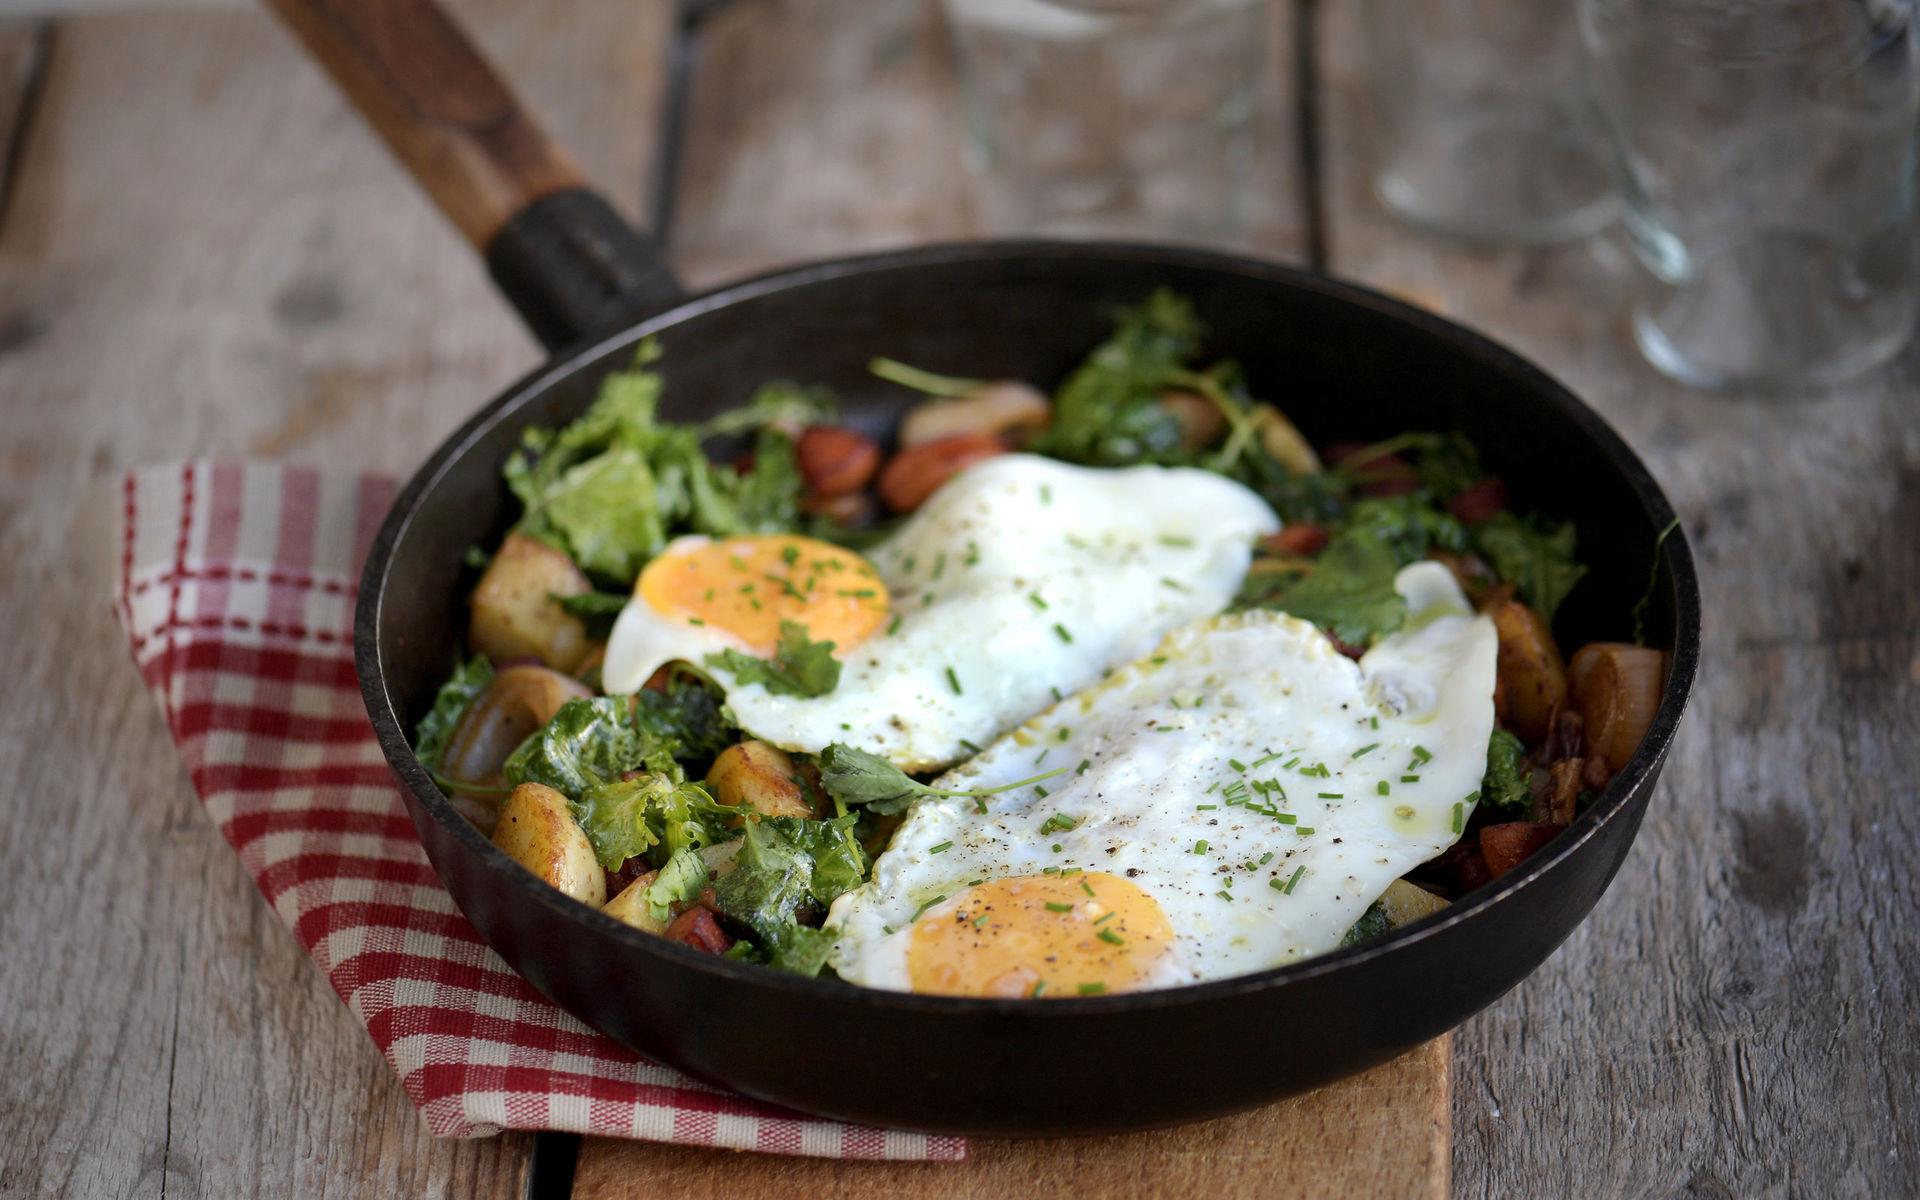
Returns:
point(519, 700)
point(1616, 688)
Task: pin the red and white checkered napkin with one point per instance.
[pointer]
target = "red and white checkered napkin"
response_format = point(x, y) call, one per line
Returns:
point(237, 590)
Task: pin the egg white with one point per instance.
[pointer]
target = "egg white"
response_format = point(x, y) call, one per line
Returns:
point(1219, 705)
point(1020, 580)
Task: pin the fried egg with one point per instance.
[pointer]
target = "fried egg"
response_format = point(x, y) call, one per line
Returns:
point(1233, 801)
point(1020, 580)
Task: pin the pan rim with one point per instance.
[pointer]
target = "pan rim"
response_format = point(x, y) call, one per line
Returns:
point(1674, 555)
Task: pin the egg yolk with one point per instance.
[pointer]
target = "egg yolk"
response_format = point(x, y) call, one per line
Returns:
point(746, 586)
point(1040, 935)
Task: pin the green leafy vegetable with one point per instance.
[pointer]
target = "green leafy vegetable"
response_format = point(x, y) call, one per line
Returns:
point(1534, 555)
point(596, 610)
point(655, 813)
point(1645, 601)
point(679, 881)
point(1107, 412)
point(786, 866)
point(1372, 924)
point(430, 736)
point(1348, 591)
point(799, 666)
point(613, 486)
point(686, 719)
point(587, 742)
point(860, 777)
point(1506, 785)
point(1409, 525)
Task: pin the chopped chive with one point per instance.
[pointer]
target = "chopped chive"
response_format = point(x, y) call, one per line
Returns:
point(1175, 584)
point(1056, 694)
point(1331, 795)
point(1042, 756)
point(917, 913)
point(980, 805)
point(1058, 908)
point(1459, 816)
point(1382, 788)
point(1294, 878)
point(1039, 987)
point(893, 626)
point(1409, 779)
point(1060, 631)
point(886, 929)
point(1205, 807)
point(1365, 750)
point(1037, 601)
point(1285, 818)
point(1111, 938)
point(1421, 754)
point(1057, 823)
point(695, 621)
point(939, 565)
point(1082, 768)
point(1237, 765)
point(1046, 493)
point(1228, 896)
point(1041, 792)
point(971, 748)
point(1303, 830)
point(953, 681)
point(1066, 871)
point(790, 554)
point(1049, 870)
point(1086, 887)
point(1092, 989)
point(1168, 539)
point(1056, 847)
point(942, 848)
point(982, 919)
point(1289, 764)
point(1103, 918)
point(1063, 735)
point(1264, 759)
point(973, 554)
point(1200, 847)
point(1266, 858)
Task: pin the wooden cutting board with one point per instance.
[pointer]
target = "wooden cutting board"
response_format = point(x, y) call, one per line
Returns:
point(1385, 1133)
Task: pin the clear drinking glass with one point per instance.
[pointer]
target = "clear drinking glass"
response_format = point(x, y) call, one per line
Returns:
point(1765, 149)
point(1481, 128)
point(1112, 117)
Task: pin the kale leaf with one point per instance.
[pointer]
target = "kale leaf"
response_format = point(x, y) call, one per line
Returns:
point(587, 742)
point(1506, 785)
point(799, 666)
point(686, 719)
point(1348, 591)
point(469, 679)
point(1107, 412)
point(596, 610)
point(1372, 924)
point(786, 864)
point(679, 881)
point(1534, 555)
point(654, 812)
point(611, 487)
point(860, 777)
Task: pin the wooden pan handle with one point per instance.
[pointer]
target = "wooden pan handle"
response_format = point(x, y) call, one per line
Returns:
point(438, 104)
point(565, 259)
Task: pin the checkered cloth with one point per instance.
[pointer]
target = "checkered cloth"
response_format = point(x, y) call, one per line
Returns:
point(237, 590)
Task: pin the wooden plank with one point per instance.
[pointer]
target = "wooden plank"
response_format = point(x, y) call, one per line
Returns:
point(1383, 1133)
point(207, 255)
point(822, 127)
point(1739, 1016)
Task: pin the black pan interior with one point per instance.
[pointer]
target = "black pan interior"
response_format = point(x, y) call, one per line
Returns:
point(1344, 364)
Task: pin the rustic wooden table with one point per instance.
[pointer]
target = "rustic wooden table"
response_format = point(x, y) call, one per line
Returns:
point(203, 253)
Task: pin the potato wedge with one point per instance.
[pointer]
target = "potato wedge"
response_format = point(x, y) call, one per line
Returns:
point(519, 700)
point(1405, 903)
point(1616, 688)
point(1532, 675)
point(513, 613)
point(630, 906)
point(760, 777)
point(1008, 409)
point(1283, 442)
point(537, 830)
point(1200, 419)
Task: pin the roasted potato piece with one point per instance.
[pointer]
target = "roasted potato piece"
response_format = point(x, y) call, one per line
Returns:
point(1405, 903)
point(514, 615)
point(763, 778)
point(1008, 409)
point(1201, 421)
point(630, 906)
point(1283, 442)
point(1531, 673)
point(1616, 688)
point(1508, 845)
point(537, 830)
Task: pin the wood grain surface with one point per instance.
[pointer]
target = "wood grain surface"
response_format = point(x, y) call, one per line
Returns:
point(1383, 1133)
point(204, 253)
